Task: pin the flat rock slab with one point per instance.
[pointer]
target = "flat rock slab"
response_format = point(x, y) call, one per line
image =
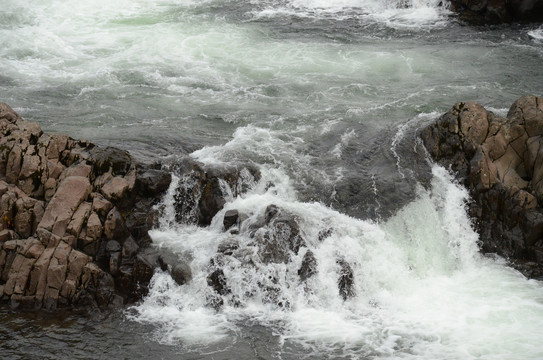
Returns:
point(71, 192)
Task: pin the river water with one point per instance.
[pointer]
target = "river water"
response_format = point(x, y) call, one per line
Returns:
point(325, 98)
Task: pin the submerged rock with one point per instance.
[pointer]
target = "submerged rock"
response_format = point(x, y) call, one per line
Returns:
point(309, 266)
point(278, 236)
point(499, 161)
point(181, 273)
point(217, 281)
point(345, 280)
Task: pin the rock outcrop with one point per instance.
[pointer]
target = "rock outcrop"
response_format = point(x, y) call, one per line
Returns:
point(73, 217)
point(500, 160)
point(498, 11)
point(203, 192)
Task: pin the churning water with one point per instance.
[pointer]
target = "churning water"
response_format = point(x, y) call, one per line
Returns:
point(325, 98)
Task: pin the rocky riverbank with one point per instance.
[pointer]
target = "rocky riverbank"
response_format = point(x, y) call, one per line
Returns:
point(500, 161)
point(498, 11)
point(73, 217)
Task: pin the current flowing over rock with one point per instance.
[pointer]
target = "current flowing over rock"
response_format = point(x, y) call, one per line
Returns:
point(75, 217)
point(500, 161)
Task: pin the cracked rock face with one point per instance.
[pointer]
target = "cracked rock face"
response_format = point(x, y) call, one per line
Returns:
point(61, 200)
point(500, 161)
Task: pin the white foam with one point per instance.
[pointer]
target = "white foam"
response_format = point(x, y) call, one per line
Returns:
point(415, 14)
point(536, 34)
point(422, 289)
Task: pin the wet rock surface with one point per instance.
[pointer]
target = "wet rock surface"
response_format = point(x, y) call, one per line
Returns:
point(500, 161)
point(263, 244)
point(203, 192)
point(498, 11)
point(70, 222)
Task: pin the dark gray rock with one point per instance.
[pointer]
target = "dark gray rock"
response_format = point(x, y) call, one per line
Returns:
point(130, 248)
point(211, 201)
point(325, 234)
point(181, 273)
point(144, 268)
point(484, 12)
point(270, 213)
point(202, 191)
point(113, 246)
point(228, 247)
point(115, 227)
point(309, 266)
point(230, 219)
point(110, 158)
point(345, 280)
point(152, 182)
point(217, 281)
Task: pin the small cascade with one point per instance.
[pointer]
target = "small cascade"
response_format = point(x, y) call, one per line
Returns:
point(317, 277)
point(393, 13)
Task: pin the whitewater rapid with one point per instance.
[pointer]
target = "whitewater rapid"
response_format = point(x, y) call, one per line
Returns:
point(422, 288)
point(324, 98)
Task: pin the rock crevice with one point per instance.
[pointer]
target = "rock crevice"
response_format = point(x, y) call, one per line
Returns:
point(62, 201)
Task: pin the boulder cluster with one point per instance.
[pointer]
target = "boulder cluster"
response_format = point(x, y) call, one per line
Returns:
point(73, 217)
point(500, 160)
point(258, 241)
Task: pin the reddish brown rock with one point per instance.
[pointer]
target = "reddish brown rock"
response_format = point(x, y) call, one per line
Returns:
point(500, 160)
point(38, 275)
point(30, 166)
point(100, 205)
point(79, 219)
point(58, 214)
point(18, 275)
point(45, 212)
point(56, 274)
point(116, 189)
point(55, 169)
point(24, 219)
point(94, 227)
point(57, 144)
point(77, 169)
point(13, 167)
point(49, 188)
point(35, 250)
point(6, 235)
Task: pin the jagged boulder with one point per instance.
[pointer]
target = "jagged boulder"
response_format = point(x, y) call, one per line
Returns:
point(204, 191)
point(71, 218)
point(278, 236)
point(345, 280)
point(308, 267)
point(499, 161)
